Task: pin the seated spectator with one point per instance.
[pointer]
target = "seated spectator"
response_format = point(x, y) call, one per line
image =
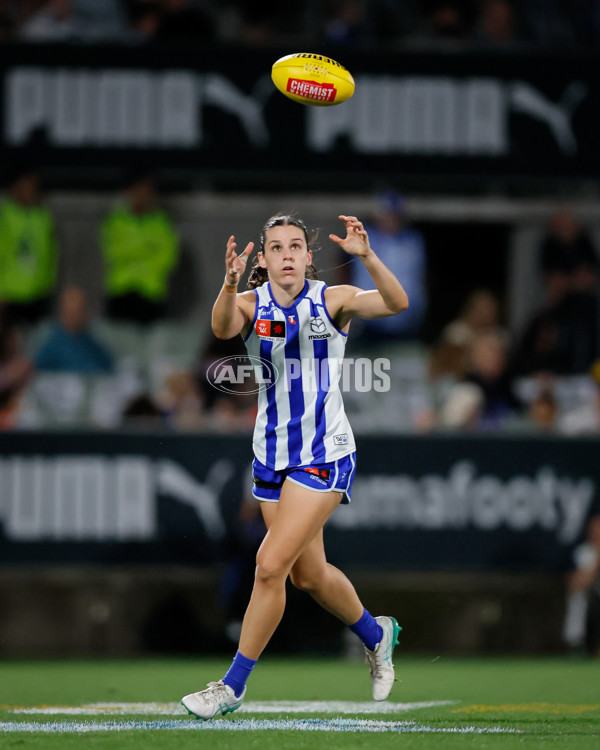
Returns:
point(490, 401)
point(140, 249)
point(15, 371)
point(489, 370)
point(71, 347)
point(180, 402)
point(480, 314)
point(28, 250)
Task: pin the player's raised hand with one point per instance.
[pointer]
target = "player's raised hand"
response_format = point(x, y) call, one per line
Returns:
point(235, 264)
point(356, 241)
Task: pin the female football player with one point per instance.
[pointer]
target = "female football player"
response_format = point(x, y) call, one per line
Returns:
point(303, 444)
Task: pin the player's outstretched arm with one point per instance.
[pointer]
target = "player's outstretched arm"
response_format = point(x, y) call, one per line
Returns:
point(232, 311)
point(389, 297)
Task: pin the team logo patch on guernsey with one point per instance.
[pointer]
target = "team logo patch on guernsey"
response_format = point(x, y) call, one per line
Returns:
point(270, 329)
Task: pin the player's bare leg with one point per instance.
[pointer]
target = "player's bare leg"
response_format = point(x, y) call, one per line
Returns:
point(299, 516)
point(328, 585)
point(330, 588)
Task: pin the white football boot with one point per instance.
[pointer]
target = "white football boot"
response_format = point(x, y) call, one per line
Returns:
point(218, 698)
point(380, 659)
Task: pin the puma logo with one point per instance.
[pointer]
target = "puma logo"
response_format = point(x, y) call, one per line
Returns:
point(557, 115)
point(220, 92)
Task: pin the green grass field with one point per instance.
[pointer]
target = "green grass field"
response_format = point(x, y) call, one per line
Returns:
point(476, 703)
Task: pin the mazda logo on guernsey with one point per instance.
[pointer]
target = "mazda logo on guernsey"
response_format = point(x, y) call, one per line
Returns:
point(242, 374)
point(317, 325)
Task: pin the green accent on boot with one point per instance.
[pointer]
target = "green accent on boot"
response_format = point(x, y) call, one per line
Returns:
point(397, 629)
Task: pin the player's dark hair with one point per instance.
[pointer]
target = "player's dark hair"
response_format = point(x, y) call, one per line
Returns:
point(258, 274)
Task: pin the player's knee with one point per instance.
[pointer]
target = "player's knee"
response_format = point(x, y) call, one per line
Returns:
point(270, 570)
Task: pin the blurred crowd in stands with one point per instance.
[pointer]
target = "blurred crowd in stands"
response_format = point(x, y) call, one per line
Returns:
point(134, 366)
point(367, 24)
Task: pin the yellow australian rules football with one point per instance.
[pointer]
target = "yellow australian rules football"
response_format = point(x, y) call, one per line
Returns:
point(313, 79)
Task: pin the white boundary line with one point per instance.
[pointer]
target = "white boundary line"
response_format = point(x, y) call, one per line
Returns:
point(250, 707)
point(244, 725)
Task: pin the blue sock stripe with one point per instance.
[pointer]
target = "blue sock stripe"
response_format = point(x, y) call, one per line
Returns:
point(368, 630)
point(238, 673)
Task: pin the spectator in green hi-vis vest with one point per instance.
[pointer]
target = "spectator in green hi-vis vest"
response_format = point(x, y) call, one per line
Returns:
point(28, 250)
point(140, 250)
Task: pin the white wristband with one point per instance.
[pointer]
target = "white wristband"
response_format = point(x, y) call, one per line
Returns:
point(228, 284)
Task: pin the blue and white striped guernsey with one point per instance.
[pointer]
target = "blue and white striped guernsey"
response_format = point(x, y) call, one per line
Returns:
point(301, 419)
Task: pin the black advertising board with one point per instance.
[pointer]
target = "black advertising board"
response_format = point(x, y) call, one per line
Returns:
point(217, 111)
point(419, 503)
